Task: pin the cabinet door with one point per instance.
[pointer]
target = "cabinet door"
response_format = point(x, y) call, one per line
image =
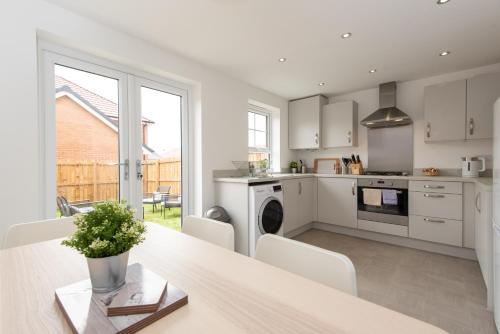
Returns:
point(339, 124)
point(290, 204)
point(444, 111)
point(306, 201)
point(337, 202)
point(482, 92)
point(304, 122)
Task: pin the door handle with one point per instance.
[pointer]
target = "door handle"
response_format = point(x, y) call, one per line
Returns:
point(478, 199)
point(434, 220)
point(126, 167)
point(428, 130)
point(433, 196)
point(349, 139)
point(138, 167)
point(433, 187)
point(471, 126)
point(300, 188)
point(316, 138)
point(353, 188)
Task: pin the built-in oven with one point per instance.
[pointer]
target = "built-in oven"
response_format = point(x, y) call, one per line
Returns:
point(383, 200)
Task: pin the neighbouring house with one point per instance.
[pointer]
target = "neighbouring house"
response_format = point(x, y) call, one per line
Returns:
point(87, 125)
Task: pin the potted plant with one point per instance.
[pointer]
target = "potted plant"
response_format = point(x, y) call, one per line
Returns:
point(105, 236)
point(293, 166)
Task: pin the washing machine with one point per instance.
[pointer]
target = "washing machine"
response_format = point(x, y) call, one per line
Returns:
point(265, 212)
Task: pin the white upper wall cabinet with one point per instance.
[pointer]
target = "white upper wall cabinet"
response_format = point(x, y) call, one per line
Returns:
point(445, 111)
point(304, 121)
point(339, 124)
point(482, 92)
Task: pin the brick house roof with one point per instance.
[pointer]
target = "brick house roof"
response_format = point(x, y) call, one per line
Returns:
point(99, 104)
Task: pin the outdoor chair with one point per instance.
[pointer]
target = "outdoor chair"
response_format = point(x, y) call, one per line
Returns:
point(170, 201)
point(157, 196)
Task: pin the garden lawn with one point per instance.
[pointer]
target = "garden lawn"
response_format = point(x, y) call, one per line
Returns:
point(172, 217)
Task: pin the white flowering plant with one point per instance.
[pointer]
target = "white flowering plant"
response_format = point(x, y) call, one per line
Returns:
point(109, 230)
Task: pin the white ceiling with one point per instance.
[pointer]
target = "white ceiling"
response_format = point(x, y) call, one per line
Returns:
point(245, 38)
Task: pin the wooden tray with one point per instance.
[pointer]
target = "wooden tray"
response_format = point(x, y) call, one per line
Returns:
point(86, 311)
point(326, 165)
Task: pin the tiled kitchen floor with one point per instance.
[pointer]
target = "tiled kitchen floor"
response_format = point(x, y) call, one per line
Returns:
point(442, 290)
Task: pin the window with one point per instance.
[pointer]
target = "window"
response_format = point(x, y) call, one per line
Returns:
point(259, 137)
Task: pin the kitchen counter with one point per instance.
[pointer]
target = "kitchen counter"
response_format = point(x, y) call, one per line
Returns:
point(481, 181)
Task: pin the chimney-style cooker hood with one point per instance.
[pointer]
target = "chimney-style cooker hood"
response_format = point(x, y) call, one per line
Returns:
point(388, 115)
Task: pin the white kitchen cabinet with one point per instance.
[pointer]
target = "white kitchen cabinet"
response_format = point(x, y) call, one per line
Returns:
point(298, 202)
point(482, 92)
point(445, 111)
point(304, 122)
point(484, 238)
point(339, 124)
point(448, 206)
point(337, 201)
point(444, 231)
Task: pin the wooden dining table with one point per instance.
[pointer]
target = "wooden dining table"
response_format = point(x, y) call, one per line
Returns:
point(228, 292)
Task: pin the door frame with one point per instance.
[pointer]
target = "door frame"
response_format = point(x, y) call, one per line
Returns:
point(50, 54)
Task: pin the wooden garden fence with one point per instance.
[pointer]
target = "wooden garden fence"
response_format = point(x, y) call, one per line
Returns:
point(97, 180)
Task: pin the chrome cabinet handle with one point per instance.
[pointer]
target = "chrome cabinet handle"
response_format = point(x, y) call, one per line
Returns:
point(478, 202)
point(349, 139)
point(428, 130)
point(300, 188)
point(433, 195)
point(434, 220)
point(427, 186)
point(471, 126)
point(353, 188)
point(316, 138)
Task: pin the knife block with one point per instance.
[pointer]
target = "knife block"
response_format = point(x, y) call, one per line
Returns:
point(356, 169)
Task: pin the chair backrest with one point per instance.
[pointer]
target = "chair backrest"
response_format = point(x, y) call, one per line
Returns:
point(219, 233)
point(28, 233)
point(164, 189)
point(63, 205)
point(320, 265)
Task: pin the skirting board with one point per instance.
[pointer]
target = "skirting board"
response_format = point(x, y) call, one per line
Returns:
point(464, 253)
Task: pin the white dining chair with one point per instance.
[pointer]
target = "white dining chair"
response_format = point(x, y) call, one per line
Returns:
point(318, 264)
point(29, 233)
point(213, 231)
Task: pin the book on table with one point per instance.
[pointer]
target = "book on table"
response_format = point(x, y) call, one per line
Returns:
point(145, 298)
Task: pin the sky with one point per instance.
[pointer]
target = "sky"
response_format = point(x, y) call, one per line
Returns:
point(164, 109)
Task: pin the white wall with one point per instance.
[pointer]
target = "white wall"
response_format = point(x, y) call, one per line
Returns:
point(410, 99)
point(219, 101)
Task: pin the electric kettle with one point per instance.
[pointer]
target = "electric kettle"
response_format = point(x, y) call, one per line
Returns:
point(471, 166)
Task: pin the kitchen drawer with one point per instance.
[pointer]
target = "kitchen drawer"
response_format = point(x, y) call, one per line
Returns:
point(444, 231)
point(436, 187)
point(438, 205)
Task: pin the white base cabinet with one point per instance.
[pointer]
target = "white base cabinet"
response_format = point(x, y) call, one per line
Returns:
point(337, 201)
point(299, 198)
point(484, 239)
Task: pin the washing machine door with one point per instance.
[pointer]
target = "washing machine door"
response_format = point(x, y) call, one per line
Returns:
point(270, 216)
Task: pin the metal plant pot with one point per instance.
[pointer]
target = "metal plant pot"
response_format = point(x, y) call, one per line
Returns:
point(294, 170)
point(108, 273)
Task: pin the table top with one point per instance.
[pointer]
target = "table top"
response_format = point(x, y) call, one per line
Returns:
point(228, 292)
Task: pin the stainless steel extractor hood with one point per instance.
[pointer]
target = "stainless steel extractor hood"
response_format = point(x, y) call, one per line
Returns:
point(388, 115)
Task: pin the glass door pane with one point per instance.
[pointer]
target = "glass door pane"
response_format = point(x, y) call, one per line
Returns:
point(161, 126)
point(87, 137)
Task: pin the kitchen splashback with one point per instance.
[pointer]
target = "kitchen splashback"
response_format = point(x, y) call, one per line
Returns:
point(391, 149)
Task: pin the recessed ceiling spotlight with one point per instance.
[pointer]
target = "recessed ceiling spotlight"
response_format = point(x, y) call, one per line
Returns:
point(282, 60)
point(321, 84)
point(442, 2)
point(444, 53)
point(346, 35)
point(372, 70)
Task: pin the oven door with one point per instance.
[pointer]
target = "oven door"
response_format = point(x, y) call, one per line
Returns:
point(393, 208)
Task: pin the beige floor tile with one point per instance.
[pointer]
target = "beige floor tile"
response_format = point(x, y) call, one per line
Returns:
point(445, 291)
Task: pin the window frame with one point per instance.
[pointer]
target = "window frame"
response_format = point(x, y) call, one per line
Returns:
point(268, 149)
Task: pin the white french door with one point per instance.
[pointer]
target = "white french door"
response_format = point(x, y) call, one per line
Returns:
point(101, 127)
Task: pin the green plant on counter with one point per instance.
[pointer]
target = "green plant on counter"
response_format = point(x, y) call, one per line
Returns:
point(109, 230)
point(262, 164)
point(293, 164)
